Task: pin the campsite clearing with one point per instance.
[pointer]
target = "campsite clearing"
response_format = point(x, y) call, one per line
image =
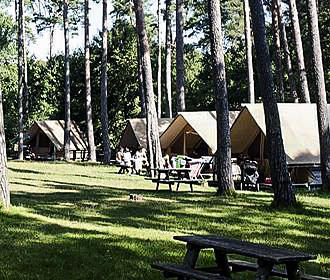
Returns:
point(76, 221)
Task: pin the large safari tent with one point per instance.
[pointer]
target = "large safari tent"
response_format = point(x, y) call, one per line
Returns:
point(299, 133)
point(46, 140)
point(134, 134)
point(193, 133)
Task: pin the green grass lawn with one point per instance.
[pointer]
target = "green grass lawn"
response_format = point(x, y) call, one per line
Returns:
point(75, 221)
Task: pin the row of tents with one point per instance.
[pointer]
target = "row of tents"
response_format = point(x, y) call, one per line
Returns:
point(195, 134)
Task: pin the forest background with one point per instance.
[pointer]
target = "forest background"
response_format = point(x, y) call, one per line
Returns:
point(46, 76)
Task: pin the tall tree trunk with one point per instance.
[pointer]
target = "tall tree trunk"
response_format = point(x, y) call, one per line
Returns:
point(104, 87)
point(168, 58)
point(304, 98)
point(181, 105)
point(143, 112)
point(278, 58)
point(5, 194)
point(287, 53)
point(139, 61)
point(51, 41)
point(20, 79)
point(248, 48)
point(159, 73)
point(321, 97)
point(89, 116)
point(67, 104)
point(223, 158)
point(283, 192)
point(26, 89)
point(153, 143)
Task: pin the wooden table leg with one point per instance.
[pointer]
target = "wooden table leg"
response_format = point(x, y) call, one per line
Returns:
point(157, 186)
point(264, 269)
point(190, 259)
point(292, 269)
point(191, 256)
point(222, 262)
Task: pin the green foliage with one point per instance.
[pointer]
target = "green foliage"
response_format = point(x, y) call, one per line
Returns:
point(45, 89)
point(8, 74)
point(47, 14)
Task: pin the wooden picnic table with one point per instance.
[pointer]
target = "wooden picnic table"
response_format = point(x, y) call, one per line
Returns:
point(266, 257)
point(171, 176)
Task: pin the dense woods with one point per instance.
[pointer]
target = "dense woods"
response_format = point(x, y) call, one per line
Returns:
point(120, 82)
point(46, 77)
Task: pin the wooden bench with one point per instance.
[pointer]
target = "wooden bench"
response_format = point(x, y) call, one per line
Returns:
point(123, 168)
point(175, 270)
point(171, 176)
point(238, 266)
point(171, 182)
point(266, 257)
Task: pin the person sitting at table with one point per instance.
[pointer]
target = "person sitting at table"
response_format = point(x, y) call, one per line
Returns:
point(138, 160)
point(127, 157)
point(120, 156)
point(166, 161)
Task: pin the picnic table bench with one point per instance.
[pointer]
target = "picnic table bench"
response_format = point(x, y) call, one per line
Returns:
point(266, 257)
point(171, 176)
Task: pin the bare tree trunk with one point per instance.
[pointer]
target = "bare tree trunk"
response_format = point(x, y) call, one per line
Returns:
point(20, 79)
point(278, 59)
point(304, 98)
point(321, 97)
point(159, 73)
point(104, 87)
point(168, 58)
point(141, 82)
point(248, 47)
point(287, 53)
point(26, 89)
point(153, 143)
point(140, 74)
point(5, 194)
point(89, 116)
point(51, 41)
point(224, 171)
point(67, 119)
point(283, 192)
point(181, 105)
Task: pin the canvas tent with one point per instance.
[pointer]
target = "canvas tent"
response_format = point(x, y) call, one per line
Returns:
point(193, 133)
point(47, 140)
point(134, 134)
point(299, 132)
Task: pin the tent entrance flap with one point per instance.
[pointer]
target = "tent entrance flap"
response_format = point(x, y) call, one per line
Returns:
point(188, 142)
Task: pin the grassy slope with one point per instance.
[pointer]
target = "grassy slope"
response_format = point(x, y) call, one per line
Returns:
point(75, 221)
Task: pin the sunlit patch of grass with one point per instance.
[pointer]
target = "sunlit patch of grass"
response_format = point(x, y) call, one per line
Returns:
point(75, 221)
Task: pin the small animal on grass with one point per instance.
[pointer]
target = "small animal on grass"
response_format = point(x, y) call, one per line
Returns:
point(136, 197)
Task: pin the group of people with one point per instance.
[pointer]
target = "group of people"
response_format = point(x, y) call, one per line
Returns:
point(136, 162)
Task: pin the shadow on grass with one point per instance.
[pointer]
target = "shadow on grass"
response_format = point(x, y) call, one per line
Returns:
point(68, 253)
point(26, 171)
point(52, 251)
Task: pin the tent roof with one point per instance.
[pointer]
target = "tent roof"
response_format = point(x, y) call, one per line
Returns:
point(54, 129)
point(135, 131)
point(203, 123)
point(299, 130)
